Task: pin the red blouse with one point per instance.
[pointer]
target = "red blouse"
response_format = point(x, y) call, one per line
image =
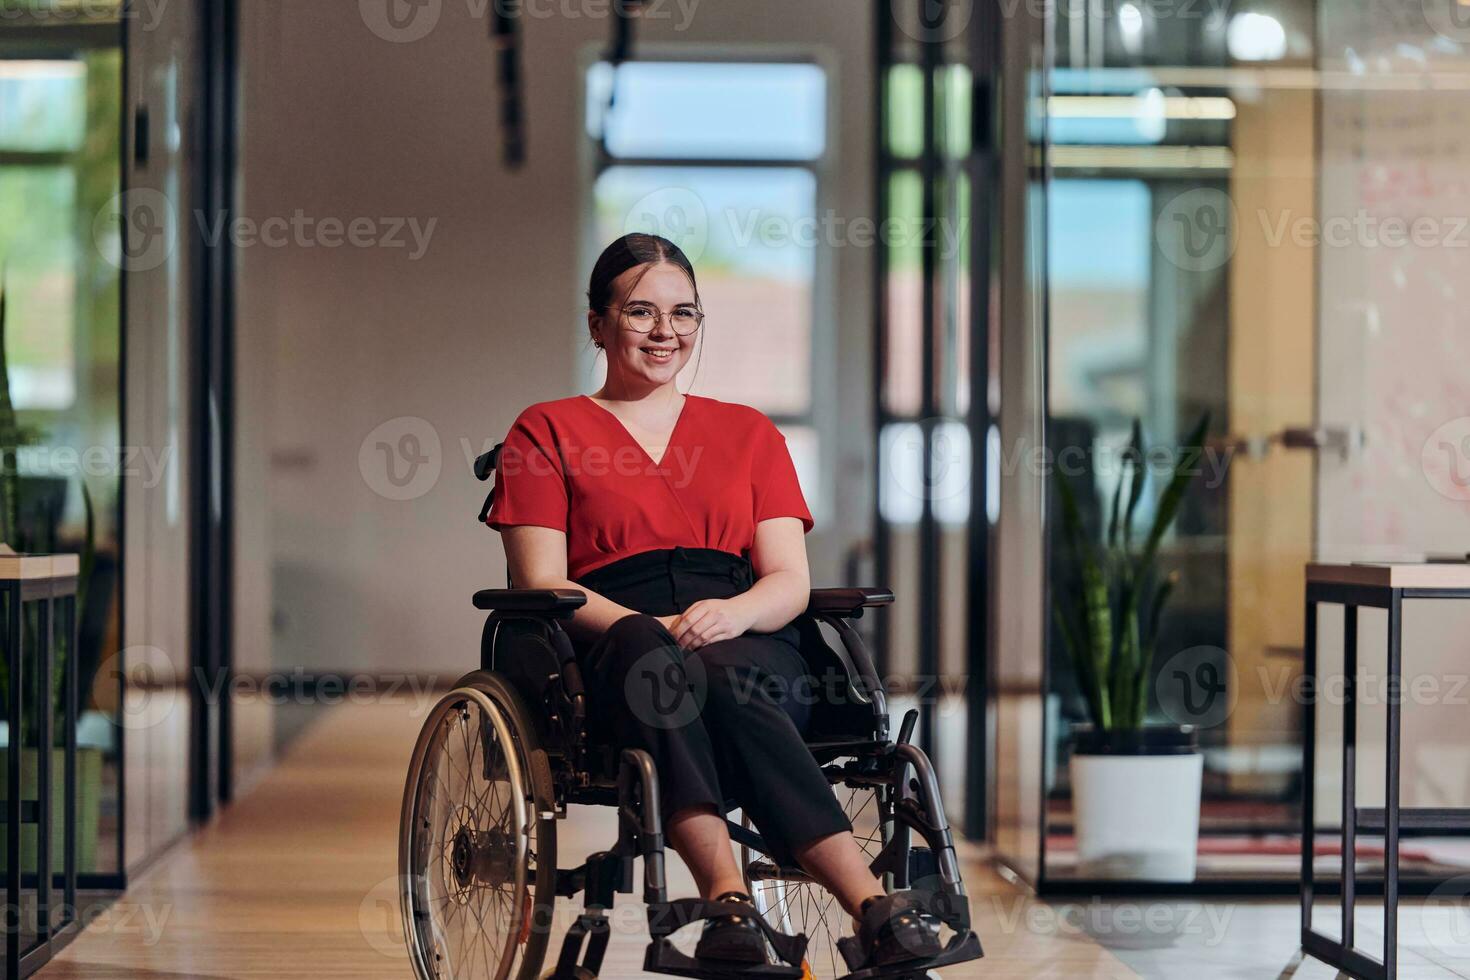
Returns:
point(570, 464)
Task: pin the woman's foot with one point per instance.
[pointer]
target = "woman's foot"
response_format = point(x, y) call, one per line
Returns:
point(893, 929)
point(733, 936)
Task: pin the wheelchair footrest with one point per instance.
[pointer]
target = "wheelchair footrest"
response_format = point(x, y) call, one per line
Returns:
point(962, 947)
point(664, 957)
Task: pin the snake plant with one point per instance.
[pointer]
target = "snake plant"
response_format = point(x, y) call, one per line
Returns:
point(13, 435)
point(1108, 613)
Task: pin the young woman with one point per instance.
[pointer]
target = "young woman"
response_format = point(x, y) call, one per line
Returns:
point(681, 519)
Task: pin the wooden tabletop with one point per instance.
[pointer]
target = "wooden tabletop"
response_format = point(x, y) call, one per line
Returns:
point(1392, 575)
point(15, 567)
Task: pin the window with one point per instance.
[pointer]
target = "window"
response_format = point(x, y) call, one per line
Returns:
point(42, 125)
point(724, 158)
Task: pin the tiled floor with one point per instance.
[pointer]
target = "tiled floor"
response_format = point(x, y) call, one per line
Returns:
point(297, 880)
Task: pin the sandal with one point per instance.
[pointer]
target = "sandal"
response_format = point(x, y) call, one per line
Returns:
point(733, 936)
point(895, 929)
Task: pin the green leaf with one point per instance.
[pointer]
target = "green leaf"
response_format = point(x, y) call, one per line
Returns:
point(1077, 653)
point(1184, 472)
point(1132, 465)
point(1095, 616)
point(1150, 643)
point(1113, 520)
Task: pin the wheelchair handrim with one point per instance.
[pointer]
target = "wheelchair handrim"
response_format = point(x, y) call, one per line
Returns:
point(521, 797)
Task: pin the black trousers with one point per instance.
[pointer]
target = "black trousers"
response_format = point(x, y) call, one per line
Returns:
point(723, 723)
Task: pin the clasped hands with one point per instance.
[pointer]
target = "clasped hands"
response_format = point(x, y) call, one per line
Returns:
point(706, 621)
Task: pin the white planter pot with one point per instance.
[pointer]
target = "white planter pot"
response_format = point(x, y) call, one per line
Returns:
point(1137, 816)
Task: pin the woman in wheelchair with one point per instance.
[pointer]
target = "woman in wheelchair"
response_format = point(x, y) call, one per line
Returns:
point(681, 519)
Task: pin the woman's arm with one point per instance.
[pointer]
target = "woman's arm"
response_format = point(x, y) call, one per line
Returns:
point(781, 592)
point(538, 560)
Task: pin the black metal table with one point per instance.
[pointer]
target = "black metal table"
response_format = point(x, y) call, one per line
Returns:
point(47, 583)
point(1381, 586)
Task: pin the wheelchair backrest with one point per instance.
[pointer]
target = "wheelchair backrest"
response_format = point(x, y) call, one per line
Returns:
point(484, 470)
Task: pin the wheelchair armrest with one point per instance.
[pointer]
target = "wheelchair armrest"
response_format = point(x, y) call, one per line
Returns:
point(557, 603)
point(848, 602)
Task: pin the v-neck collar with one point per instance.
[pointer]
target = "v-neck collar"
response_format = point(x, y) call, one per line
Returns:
point(668, 446)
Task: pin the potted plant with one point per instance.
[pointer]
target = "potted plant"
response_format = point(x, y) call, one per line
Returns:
point(39, 535)
point(1135, 786)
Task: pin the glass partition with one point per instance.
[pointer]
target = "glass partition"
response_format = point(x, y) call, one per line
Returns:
point(1249, 219)
point(60, 126)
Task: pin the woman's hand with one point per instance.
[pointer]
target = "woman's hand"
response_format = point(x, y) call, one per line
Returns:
point(709, 620)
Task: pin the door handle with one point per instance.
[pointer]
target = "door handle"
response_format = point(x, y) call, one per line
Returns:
point(1343, 440)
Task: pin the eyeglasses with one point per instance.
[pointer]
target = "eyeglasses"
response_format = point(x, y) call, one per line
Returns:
point(642, 317)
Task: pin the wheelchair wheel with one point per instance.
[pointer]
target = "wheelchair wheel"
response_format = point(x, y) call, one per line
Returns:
point(477, 839)
point(792, 902)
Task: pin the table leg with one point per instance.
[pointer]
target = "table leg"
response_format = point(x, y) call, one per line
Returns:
point(1391, 790)
point(1309, 761)
point(14, 806)
point(1349, 772)
point(69, 719)
point(45, 665)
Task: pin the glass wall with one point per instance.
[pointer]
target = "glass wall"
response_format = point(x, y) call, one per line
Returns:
point(60, 151)
point(1249, 218)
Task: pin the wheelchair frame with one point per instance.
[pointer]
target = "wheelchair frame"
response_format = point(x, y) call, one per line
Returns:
point(848, 738)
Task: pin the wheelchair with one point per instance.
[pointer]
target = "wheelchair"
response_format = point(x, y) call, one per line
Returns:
point(502, 757)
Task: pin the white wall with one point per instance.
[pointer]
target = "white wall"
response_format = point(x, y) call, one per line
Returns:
point(333, 342)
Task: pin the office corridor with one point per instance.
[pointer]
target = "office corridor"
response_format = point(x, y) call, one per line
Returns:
point(296, 880)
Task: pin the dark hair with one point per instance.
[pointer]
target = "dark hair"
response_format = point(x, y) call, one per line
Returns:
point(628, 252)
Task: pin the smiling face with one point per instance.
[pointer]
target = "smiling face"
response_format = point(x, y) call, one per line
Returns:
point(645, 360)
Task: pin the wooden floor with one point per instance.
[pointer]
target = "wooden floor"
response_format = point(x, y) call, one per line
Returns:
point(297, 880)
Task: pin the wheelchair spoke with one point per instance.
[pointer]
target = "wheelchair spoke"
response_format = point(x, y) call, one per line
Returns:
point(799, 905)
point(469, 846)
